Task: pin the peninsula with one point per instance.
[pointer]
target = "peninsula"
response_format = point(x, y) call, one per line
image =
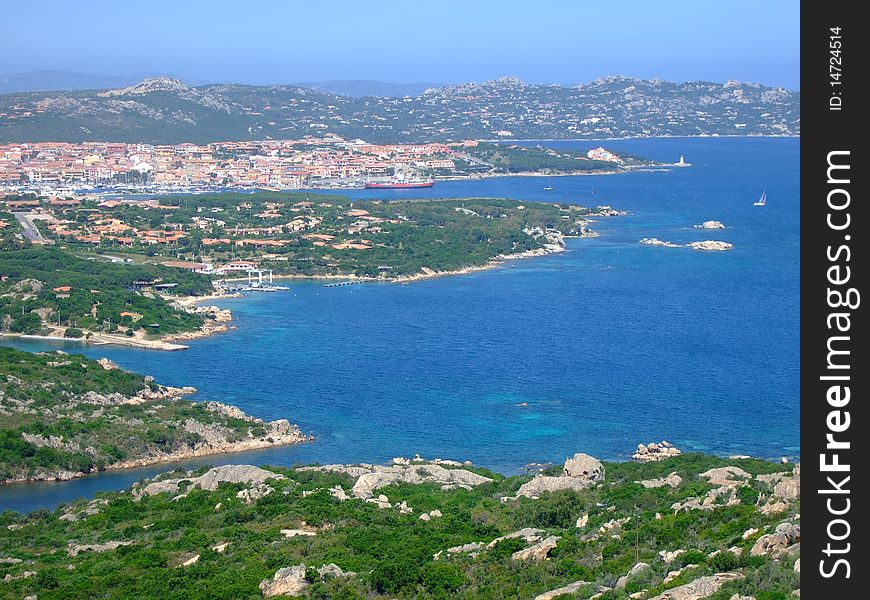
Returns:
point(118, 271)
point(63, 416)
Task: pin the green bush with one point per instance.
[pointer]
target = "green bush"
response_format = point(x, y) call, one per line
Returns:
point(395, 574)
point(505, 548)
point(725, 561)
point(441, 578)
point(28, 323)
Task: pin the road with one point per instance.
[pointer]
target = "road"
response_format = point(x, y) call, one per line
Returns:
point(29, 229)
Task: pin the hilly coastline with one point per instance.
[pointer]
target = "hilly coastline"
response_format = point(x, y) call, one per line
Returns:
point(165, 110)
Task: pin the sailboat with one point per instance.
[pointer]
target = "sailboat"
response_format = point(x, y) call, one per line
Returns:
point(761, 201)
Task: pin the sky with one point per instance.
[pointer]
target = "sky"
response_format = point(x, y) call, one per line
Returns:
point(443, 41)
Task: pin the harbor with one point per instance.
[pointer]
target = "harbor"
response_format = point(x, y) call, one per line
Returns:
point(258, 280)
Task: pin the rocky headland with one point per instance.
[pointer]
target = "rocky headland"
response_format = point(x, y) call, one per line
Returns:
point(69, 416)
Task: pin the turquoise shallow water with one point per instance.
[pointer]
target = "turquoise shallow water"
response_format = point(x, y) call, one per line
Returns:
point(610, 344)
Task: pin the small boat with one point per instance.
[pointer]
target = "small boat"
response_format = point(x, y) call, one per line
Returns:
point(549, 188)
point(761, 201)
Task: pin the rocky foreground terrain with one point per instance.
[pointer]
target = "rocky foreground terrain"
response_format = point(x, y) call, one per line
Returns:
point(63, 416)
point(669, 526)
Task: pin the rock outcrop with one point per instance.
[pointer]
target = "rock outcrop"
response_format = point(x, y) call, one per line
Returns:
point(528, 534)
point(291, 581)
point(465, 548)
point(658, 242)
point(728, 476)
point(211, 479)
point(76, 513)
point(699, 588)
point(542, 483)
point(785, 540)
point(711, 245)
point(373, 477)
point(670, 556)
point(673, 480)
point(719, 497)
point(75, 549)
point(583, 466)
point(579, 472)
point(656, 451)
point(569, 589)
point(107, 364)
point(785, 488)
point(710, 225)
point(251, 494)
point(537, 552)
point(633, 572)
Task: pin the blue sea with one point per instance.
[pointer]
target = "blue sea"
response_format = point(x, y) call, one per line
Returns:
point(597, 349)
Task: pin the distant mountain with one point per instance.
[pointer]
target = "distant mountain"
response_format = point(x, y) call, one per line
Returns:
point(359, 88)
point(45, 81)
point(165, 110)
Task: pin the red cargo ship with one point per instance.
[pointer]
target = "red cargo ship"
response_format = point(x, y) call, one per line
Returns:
point(397, 185)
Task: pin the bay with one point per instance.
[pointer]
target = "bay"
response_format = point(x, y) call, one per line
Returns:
point(609, 344)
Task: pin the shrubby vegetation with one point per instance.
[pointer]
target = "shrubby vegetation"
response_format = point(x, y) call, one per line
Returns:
point(541, 159)
point(392, 553)
point(62, 412)
point(402, 237)
point(36, 279)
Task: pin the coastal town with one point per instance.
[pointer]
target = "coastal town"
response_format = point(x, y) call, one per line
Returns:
point(65, 169)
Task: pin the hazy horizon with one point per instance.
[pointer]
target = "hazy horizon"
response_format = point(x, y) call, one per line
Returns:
point(271, 42)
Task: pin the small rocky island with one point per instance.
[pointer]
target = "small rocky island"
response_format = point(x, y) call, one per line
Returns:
point(658, 242)
point(709, 245)
point(710, 225)
point(63, 416)
point(679, 526)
